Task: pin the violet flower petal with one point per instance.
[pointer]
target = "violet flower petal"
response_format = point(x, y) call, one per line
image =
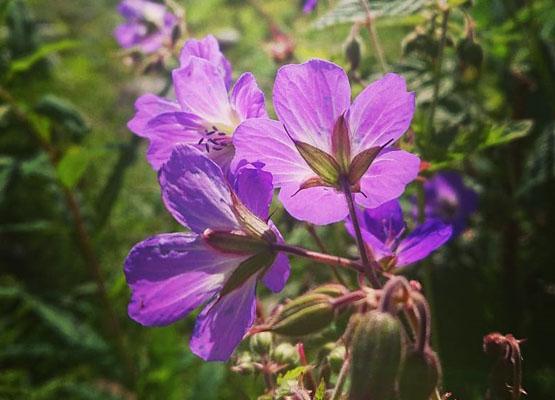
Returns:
point(195, 191)
point(254, 188)
point(247, 99)
point(387, 177)
point(172, 274)
point(422, 241)
point(318, 205)
point(148, 106)
point(308, 99)
point(379, 249)
point(384, 222)
point(222, 324)
point(278, 273)
point(380, 113)
point(208, 49)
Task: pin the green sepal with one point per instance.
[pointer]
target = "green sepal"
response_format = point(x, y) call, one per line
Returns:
point(236, 243)
point(306, 314)
point(361, 162)
point(250, 223)
point(323, 164)
point(255, 265)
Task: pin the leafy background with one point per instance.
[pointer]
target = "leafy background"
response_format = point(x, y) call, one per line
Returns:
point(65, 149)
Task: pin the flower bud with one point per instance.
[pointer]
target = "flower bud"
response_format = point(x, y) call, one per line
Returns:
point(336, 358)
point(352, 52)
point(305, 315)
point(261, 343)
point(376, 357)
point(331, 289)
point(419, 376)
point(286, 353)
point(244, 364)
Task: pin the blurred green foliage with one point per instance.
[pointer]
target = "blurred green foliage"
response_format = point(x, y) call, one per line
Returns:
point(493, 118)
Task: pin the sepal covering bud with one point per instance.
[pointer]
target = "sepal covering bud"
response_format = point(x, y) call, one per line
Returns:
point(305, 315)
point(419, 376)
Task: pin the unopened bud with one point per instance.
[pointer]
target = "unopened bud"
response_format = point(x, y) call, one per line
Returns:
point(331, 289)
point(261, 343)
point(244, 364)
point(286, 353)
point(352, 52)
point(419, 376)
point(336, 358)
point(305, 315)
point(376, 357)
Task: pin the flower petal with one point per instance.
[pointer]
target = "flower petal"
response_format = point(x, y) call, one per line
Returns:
point(309, 98)
point(379, 249)
point(278, 273)
point(266, 141)
point(147, 107)
point(221, 326)
point(380, 113)
point(384, 222)
point(422, 241)
point(200, 89)
point(317, 205)
point(254, 188)
point(208, 49)
point(247, 99)
point(387, 177)
point(195, 191)
point(172, 274)
point(129, 34)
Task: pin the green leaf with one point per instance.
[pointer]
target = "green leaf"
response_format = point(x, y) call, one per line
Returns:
point(74, 164)
point(24, 63)
point(321, 391)
point(506, 133)
point(292, 375)
point(540, 165)
point(349, 11)
point(64, 113)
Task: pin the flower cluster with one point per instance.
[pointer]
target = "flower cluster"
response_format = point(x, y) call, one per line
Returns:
point(219, 157)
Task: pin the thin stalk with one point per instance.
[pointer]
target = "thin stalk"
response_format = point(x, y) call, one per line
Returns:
point(369, 23)
point(438, 66)
point(321, 258)
point(369, 269)
point(341, 378)
point(312, 232)
point(82, 235)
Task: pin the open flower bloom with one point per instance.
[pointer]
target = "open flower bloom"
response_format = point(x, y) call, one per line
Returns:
point(309, 6)
point(205, 115)
point(383, 231)
point(148, 27)
point(447, 198)
point(323, 142)
point(218, 263)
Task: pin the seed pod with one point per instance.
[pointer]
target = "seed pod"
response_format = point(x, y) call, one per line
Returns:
point(285, 353)
point(304, 315)
point(261, 343)
point(419, 376)
point(331, 289)
point(376, 357)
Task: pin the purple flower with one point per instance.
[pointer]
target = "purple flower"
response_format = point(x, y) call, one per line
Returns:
point(447, 198)
point(383, 230)
point(148, 27)
point(309, 6)
point(324, 142)
point(218, 263)
point(205, 115)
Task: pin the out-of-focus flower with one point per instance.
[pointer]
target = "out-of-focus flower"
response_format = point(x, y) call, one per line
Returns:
point(309, 6)
point(148, 27)
point(449, 199)
point(218, 264)
point(383, 230)
point(323, 143)
point(205, 114)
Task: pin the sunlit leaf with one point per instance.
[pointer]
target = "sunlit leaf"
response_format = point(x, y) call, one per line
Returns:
point(23, 64)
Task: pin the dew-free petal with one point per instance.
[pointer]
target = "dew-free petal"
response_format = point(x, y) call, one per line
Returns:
point(195, 191)
point(379, 249)
point(266, 141)
point(222, 324)
point(384, 222)
point(278, 273)
point(247, 99)
point(380, 113)
point(147, 107)
point(308, 99)
point(318, 205)
point(387, 177)
point(172, 274)
point(422, 241)
point(254, 188)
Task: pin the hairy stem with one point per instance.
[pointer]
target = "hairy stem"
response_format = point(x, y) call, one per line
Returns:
point(368, 268)
point(369, 23)
point(321, 258)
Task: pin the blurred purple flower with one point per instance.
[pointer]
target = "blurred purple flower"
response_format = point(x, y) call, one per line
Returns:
point(309, 6)
point(313, 103)
point(205, 115)
point(218, 264)
point(447, 198)
point(148, 27)
point(383, 230)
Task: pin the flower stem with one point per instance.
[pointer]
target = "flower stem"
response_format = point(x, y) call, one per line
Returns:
point(341, 378)
point(321, 258)
point(312, 232)
point(368, 268)
point(374, 34)
point(438, 65)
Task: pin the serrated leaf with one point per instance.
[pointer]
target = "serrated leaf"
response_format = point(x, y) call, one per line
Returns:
point(349, 11)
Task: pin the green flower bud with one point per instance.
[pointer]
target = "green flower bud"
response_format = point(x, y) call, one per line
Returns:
point(336, 358)
point(331, 289)
point(305, 315)
point(419, 376)
point(376, 357)
point(285, 353)
point(261, 343)
point(352, 52)
point(244, 364)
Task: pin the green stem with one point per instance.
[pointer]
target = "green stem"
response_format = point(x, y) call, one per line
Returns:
point(341, 378)
point(369, 23)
